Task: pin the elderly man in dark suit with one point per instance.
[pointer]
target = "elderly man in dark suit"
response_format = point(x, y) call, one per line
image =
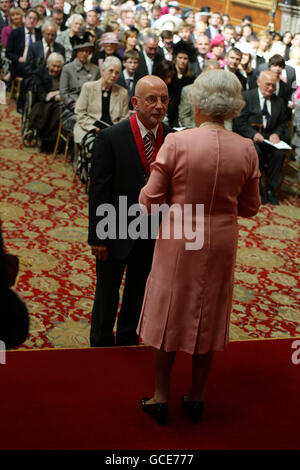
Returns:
point(17, 47)
point(286, 79)
point(265, 111)
point(149, 56)
point(39, 52)
point(120, 166)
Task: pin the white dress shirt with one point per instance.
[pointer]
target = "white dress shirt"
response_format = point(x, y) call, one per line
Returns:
point(262, 102)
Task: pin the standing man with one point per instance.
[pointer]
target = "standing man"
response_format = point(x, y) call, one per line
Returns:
point(120, 166)
point(265, 110)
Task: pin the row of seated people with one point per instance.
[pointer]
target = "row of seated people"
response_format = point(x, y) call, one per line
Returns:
point(187, 62)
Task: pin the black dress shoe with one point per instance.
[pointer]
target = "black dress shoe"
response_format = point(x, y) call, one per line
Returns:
point(194, 408)
point(271, 197)
point(159, 411)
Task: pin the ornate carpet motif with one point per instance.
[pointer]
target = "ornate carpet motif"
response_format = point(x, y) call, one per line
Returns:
point(45, 219)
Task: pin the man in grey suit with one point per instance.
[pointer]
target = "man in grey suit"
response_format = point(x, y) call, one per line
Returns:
point(73, 76)
point(264, 117)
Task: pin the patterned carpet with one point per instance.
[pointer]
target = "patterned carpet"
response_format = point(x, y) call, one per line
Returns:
point(45, 218)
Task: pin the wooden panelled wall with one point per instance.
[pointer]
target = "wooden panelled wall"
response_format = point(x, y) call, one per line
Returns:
point(236, 9)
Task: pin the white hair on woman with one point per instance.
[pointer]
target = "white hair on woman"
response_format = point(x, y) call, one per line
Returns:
point(217, 93)
point(55, 57)
point(112, 60)
point(74, 17)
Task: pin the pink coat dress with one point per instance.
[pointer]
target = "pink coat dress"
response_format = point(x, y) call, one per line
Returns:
point(188, 296)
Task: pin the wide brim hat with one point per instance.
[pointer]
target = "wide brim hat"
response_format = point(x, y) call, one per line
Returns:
point(83, 45)
point(109, 38)
point(80, 42)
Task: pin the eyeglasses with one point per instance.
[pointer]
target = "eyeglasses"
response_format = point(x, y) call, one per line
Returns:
point(154, 99)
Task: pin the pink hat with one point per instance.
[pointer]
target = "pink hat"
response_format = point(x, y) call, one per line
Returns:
point(109, 38)
point(218, 40)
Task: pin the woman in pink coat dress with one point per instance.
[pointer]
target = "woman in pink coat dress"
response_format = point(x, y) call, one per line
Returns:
point(188, 295)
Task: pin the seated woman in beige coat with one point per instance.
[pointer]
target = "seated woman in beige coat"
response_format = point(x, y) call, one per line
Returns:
point(188, 296)
point(100, 104)
point(101, 100)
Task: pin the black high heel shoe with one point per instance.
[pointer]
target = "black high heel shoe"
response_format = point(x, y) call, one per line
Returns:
point(194, 408)
point(159, 411)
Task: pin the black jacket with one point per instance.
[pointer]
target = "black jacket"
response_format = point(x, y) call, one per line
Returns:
point(116, 170)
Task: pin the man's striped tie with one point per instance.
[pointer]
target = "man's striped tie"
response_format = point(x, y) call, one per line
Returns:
point(149, 145)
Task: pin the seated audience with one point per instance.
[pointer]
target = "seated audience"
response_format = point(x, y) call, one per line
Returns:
point(39, 52)
point(15, 20)
point(68, 37)
point(112, 106)
point(73, 76)
point(184, 53)
point(129, 41)
point(186, 110)
point(202, 45)
point(264, 117)
point(44, 116)
point(149, 55)
point(17, 47)
point(232, 61)
point(166, 44)
point(245, 68)
point(100, 104)
point(128, 78)
point(109, 45)
point(217, 49)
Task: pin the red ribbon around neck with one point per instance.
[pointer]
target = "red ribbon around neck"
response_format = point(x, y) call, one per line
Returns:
point(140, 143)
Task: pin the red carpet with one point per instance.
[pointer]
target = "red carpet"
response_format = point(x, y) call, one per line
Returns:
point(89, 399)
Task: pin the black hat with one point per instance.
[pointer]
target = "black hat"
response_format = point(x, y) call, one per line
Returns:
point(80, 42)
point(205, 11)
point(187, 47)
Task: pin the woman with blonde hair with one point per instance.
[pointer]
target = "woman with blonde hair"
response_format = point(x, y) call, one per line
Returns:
point(15, 20)
point(188, 296)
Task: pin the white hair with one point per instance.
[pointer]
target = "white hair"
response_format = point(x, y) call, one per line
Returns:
point(74, 17)
point(55, 57)
point(218, 94)
point(112, 60)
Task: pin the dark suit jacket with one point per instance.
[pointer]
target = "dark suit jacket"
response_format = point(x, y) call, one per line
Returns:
point(116, 170)
point(252, 114)
point(122, 82)
point(142, 69)
point(16, 43)
point(35, 57)
point(3, 23)
point(195, 67)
